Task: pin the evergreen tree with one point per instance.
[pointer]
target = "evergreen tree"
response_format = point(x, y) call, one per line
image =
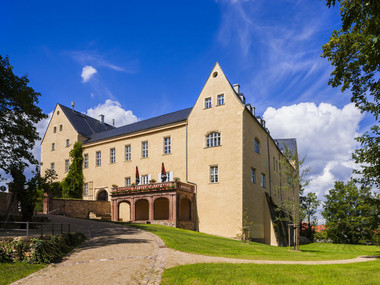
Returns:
point(72, 185)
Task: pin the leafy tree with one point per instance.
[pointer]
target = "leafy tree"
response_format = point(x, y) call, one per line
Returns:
point(72, 185)
point(18, 115)
point(354, 51)
point(309, 206)
point(352, 214)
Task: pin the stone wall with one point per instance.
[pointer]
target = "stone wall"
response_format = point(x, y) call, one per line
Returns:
point(5, 199)
point(77, 208)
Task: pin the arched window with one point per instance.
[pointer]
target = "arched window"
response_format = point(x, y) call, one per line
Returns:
point(213, 139)
point(257, 145)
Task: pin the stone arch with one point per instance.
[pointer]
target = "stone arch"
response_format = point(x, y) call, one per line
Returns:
point(161, 209)
point(102, 195)
point(185, 210)
point(142, 210)
point(124, 211)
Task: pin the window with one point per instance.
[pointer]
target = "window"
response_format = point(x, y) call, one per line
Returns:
point(54, 129)
point(98, 158)
point(127, 181)
point(67, 165)
point(144, 148)
point(214, 174)
point(167, 145)
point(220, 99)
point(145, 179)
point(253, 175)
point(53, 146)
point(128, 152)
point(274, 164)
point(112, 155)
point(67, 143)
point(85, 189)
point(257, 146)
point(52, 166)
point(213, 139)
point(60, 128)
point(262, 180)
point(85, 161)
point(207, 103)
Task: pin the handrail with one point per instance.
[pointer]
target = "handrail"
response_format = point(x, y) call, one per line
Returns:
point(50, 227)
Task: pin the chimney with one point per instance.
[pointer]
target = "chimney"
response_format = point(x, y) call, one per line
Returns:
point(237, 88)
point(72, 104)
point(113, 122)
point(242, 98)
point(253, 110)
point(101, 119)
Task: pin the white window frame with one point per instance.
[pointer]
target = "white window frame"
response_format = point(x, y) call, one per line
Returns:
point(113, 155)
point(262, 178)
point(208, 103)
point(144, 179)
point(213, 139)
point(167, 145)
point(128, 152)
point(85, 190)
point(127, 181)
point(220, 99)
point(98, 158)
point(85, 160)
point(144, 149)
point(214, 174)
point(67, 165)
point(253, 175)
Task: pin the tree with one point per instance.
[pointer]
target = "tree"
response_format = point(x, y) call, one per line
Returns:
point(352, 214)
point(309, 206)
point(354, 51)
point(18, 115)
point(72, 185)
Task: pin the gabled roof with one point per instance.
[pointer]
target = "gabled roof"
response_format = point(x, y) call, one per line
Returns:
point(84, 124)
point(163, 120)
point(290, 144)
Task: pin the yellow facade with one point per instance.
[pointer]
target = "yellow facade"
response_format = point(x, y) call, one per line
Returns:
point(213, 148)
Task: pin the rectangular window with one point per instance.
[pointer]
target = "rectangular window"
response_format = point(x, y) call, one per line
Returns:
point(112, 155)
point(262, 180)
point(167, 145)
point(127, 181)
point(207, 103)
point(145, 179)
point(98, 158)
point(220, 99)
point(144, 148)
point(214, 174)
point(85, 161)
point(54, 129)
point(128, 152)
point(52, 166)
point(274, 164)
point(85, 189)
point(67, 165)
point(60, 128)
point(253, 175)
point(67, 143)
point(53, 146)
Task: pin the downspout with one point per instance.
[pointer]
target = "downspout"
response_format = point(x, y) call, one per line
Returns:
point(270, 180)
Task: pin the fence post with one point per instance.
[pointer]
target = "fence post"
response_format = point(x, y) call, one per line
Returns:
point(52, 228)
point(42, 229)
point(61, 228)
point(68, 227)
point(27, 228)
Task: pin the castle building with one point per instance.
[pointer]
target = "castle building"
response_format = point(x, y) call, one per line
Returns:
point(222, 154)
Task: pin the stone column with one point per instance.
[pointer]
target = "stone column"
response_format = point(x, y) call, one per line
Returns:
point(175, 208)
point(116, 210)
point(151, 208)
point(170, 207)
point(133, 212)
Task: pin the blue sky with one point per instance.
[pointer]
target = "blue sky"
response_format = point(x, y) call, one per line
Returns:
point(138, 59)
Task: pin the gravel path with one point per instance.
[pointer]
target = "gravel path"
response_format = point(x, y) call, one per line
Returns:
point(116, 254)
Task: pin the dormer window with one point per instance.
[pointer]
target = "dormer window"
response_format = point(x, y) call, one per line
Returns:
point(208, 103)
point(213, 139)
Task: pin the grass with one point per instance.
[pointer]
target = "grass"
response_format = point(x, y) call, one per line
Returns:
point(10, 272)
point(199, 243)
point(225, 273)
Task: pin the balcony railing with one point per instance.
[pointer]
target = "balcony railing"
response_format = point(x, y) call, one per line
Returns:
point(163, 186)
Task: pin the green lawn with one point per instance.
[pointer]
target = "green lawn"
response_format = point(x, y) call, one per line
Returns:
point(194, 242)
point(10, 272)
point(225, 273)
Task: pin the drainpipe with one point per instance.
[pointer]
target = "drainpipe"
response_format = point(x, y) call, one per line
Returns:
point(270, 180)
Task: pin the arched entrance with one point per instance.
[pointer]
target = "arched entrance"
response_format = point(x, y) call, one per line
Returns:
point(142, 209)
point(103, 195)
point(124, 212)
point(185, 210)
point(161, 209)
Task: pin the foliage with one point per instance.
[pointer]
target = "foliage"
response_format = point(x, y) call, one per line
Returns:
point(72, 185)
point(321, 236)
point(227, 273)
point(354, 51)
point(309, 206)
point(18, 115)
point(352, 214)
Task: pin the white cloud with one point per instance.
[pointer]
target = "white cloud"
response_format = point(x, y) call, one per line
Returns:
point(113, 110)
point(324, 133)
point(87, 72)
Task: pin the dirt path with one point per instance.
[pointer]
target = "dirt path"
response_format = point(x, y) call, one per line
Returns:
point(116, 254)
